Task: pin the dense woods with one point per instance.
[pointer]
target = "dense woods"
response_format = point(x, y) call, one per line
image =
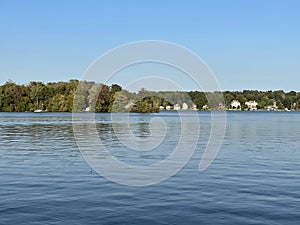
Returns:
point(90, 96)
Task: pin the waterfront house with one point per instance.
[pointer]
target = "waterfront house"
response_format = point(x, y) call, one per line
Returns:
point(205, 107)
point(252, 105)
point(185, 106)
point(177, 107)
point(221, 106)
point(87, 109)
point(235, 105)
point(194, 106)
point(273, 107)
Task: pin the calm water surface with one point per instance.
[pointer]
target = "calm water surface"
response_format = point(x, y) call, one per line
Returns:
point(255, 179)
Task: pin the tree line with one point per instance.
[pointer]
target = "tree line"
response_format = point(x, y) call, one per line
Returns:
point(81, 96)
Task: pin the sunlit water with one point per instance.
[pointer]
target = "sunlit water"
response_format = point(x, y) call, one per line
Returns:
point(255, 179)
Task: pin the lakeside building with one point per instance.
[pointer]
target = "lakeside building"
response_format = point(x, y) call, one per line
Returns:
point(177, 107)
point(235, 105)
point(185, 106)
point(205, 107)
point(294, 105)
point(87, 109)
point(221, 106)
point(194, 107)
point(273, 107)
point(252, 105)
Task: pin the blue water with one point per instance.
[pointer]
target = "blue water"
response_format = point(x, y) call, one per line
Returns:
point(255, 178)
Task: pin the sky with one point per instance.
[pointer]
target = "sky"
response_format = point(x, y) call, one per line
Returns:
point(247, 44)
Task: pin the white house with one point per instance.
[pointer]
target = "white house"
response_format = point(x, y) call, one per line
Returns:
point(221, 106)
point(273, 107)
point(194, 106)
point(235, 105)
point(205, 107)
point(168, 107)
point(177, 107)
point(87, 109)
point(161, 107)
point(185, 106)
point(252, 105)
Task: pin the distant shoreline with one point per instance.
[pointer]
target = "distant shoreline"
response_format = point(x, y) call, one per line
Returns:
point(87, 96)
point(163, 111)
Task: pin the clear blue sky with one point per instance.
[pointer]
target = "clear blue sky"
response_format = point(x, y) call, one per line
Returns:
point(248, 44)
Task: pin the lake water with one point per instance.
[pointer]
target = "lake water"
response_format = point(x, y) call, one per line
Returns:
point(255, 178)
